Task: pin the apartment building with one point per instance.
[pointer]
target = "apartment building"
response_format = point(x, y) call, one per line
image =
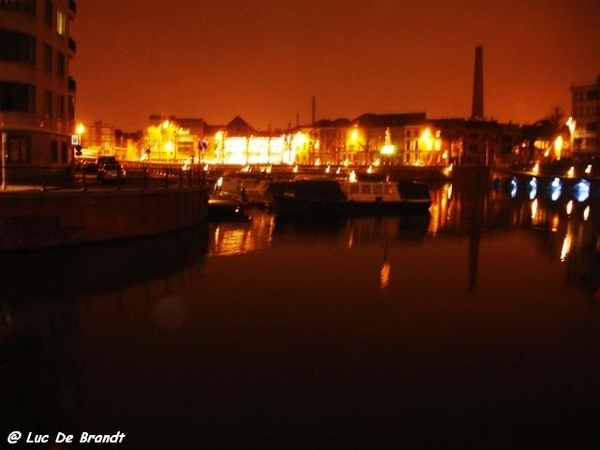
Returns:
point(585, 105)
point(37, 95)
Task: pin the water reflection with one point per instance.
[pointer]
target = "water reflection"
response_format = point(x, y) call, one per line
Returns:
point(231, 238)
point(374, 321)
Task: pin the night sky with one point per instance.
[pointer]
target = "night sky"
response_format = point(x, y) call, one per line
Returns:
point(265, 59)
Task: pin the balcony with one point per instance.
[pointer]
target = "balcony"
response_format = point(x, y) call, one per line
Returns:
point(72, 46)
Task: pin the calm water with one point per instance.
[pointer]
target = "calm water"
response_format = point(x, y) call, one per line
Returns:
point(479, 325)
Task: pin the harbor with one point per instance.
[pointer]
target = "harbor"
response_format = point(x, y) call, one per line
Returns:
point(475, 323)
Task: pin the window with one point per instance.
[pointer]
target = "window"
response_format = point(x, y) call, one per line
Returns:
point(60, 65)
point(48, 58)
point(19, 148)
point(17, 47)
point(61, 22)
point(48, 13)
point(593, 95)
point(26, 6)
point(54, 151)
point(48, 103)
point(64, 155)
point(17, 97)
point(60, 107)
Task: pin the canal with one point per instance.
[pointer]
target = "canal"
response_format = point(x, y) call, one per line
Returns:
point(477, 325)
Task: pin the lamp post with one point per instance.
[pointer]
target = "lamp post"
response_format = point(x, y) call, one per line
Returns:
point(3, 158)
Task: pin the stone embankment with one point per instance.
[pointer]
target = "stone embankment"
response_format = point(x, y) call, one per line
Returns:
point(39, 219)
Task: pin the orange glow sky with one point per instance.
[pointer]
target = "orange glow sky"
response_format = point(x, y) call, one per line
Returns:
point(265, 59)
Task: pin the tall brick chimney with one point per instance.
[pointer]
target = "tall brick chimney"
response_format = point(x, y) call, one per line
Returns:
point(477, 107)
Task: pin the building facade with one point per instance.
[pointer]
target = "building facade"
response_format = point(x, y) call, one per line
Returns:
point(585, 105)
point(37, 95)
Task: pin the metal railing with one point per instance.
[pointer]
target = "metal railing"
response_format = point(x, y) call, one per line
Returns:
point(86, 177)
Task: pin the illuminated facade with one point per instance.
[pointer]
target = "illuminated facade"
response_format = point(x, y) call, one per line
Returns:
point(371, 139)
point(239, 143)
point(586, 117)
point(172, 139)
point(37, 95)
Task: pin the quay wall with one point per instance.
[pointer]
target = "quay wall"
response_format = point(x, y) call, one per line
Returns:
point(31, 220)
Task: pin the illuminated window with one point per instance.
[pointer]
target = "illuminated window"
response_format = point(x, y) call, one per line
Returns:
point(61, 22)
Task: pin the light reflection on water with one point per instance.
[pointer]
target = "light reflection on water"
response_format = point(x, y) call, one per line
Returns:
point(478, 323)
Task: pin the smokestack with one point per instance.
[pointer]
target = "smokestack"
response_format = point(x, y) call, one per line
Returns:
point(477, 107)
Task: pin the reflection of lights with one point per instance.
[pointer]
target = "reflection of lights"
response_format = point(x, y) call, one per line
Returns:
point(388, 149)
point(586, 213)
point(533, 184)
point(582, 190)
point(534, 208)
point(555, 222)
point(570, 207)
point(448, 170)
point(566, 247)
point(556, 188)
point(558, 146)
point(384, 276)
point(513, 187)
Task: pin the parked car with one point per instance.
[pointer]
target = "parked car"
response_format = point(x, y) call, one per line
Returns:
point(109, 169)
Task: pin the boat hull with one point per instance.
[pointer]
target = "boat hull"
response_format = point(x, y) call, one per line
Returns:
point(333, 198)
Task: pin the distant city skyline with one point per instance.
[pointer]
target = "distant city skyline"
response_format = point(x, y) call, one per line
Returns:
point(265, 62)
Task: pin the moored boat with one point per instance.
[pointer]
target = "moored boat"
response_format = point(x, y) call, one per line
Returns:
point(348, 196)
point(226, 209)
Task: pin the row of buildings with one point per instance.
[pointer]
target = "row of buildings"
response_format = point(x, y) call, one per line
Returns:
point(370, 139)
point(37, 119)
